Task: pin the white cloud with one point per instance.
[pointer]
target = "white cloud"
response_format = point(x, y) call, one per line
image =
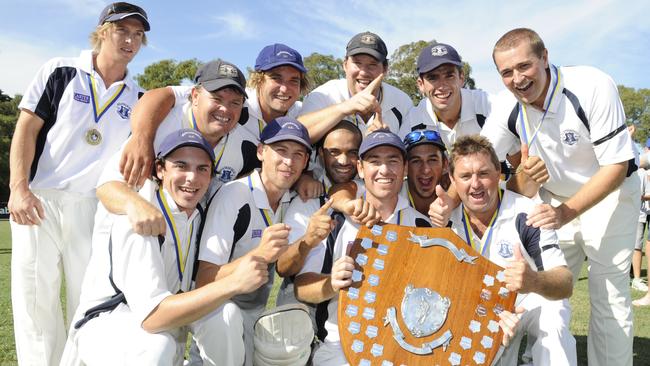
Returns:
point(20, 59)
point(233, 25)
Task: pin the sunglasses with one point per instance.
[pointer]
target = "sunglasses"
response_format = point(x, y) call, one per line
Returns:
point(122, 7)
point(417, 136)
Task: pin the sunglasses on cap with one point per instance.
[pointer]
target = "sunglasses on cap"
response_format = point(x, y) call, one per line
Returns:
point(122, 7)
point(416, 136)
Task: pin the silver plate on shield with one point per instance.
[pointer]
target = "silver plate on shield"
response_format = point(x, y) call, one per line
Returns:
point(423, 311)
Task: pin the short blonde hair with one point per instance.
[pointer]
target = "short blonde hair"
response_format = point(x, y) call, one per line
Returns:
point(96, 41)
point(256, 79)
point(515, 37)
point(470, 145)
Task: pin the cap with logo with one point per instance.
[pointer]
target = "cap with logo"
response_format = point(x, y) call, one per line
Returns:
point(121, 10)
point(278, 54)
point(286, 129)
point(436, 54)
point(181, 138)
point(381, 137)
point(218, 74)
point(367, 43)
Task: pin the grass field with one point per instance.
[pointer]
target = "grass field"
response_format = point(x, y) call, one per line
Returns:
point(579, 323)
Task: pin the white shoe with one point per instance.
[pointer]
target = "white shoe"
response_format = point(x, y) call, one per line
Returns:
point(639, 285)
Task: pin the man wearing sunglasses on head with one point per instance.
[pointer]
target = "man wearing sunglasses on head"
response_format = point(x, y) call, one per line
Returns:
point(74, 116)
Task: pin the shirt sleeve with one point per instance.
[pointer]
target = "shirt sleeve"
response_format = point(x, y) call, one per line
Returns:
point(297, 217)
point(218, 233)
point(41, 92)
point(316, 100)
point(181, 93)
point(496, 127)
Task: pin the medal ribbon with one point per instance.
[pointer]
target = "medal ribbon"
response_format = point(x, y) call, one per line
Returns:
point(192, 122)
point(267, 214)
point(408, 191)
point(260, 125)
point(468, 230)
point(99, 110)
point(162, 201)
point(523, 114)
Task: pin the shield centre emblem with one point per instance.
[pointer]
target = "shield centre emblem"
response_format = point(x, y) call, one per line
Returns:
point(423, 311)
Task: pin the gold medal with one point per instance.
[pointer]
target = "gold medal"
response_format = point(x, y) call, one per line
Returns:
point(93, 137)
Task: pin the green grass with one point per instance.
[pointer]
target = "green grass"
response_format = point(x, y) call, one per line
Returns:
point(579, 302)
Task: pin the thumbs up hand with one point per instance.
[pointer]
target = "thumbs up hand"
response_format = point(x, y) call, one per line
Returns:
point(518, 274)
point(441, 208)
point(533, 166)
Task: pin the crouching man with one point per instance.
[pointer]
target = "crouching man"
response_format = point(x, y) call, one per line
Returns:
point(136, 304)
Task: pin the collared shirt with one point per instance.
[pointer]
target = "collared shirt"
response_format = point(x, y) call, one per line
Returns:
point(234, 226)
point(475, 108)
point(540, 247)
point(76, 106)
point(143, 269)
point(572, 153)
point(403, 214)
point(394, 103)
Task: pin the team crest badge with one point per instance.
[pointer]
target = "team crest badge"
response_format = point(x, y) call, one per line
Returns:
point(438, 51)
point(227, 71)
point(420, 296)
point(570, 137)
point(123, 110)
point(368, 39)
point(256, 233)
point(505, 249)
point(226, 174)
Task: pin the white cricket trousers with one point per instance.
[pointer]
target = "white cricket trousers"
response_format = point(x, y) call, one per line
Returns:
point(117, 338)
point(605, 235)
point(38, 254)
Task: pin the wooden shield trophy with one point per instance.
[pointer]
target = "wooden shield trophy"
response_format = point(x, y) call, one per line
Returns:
point(421, 296)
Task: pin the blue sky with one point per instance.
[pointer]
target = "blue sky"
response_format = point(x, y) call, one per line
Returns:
point(611, 35)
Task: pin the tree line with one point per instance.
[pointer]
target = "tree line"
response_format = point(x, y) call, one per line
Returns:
point(322, 68)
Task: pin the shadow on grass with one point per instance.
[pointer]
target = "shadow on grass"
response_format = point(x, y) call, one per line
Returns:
point(5, 250)
point(640, 356)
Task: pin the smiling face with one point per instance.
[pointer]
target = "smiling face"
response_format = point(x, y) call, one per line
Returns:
point(524, 73)
point(282, 164)
point(340, 154)
point(122, 40)
point(216, 112)
point(279, 90)
point(442, 86)
point(382, 170)
point(477, 182)
point(185, 175)
point(360, 70)
point(425, 169)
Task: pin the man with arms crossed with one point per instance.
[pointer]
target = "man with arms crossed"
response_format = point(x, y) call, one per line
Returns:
point(74, 116)
point(492, 221)
point(573, 119)
point(246, 219)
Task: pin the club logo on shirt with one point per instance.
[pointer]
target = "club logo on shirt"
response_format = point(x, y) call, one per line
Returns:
point(226, 174)
point(256, 233)
point(82, 98)
point(505, 249)
point(570, 137)
point(438, 51)
point(123, 110)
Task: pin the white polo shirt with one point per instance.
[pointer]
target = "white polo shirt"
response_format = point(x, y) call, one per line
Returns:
point(395, 104)
point(475, 108)
point(251, 118)
point(143, 269)
point(233, 153)
point(572, 153)
point(539, 246)
point(234, 225)
point(77, 108)
point(402, 215)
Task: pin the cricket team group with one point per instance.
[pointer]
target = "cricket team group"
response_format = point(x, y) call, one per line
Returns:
point(169, 213)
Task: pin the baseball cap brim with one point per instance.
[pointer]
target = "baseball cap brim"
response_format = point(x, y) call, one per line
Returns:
point(285, 137)
point(214, 85)
point(372, 146)
point(436, 64)
point(296, 65)
point(369, 51)
point(121, 16)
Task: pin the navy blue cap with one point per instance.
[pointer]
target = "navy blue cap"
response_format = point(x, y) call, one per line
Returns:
point(381, 137)
point(181, 138)
point(436, 54)
point(278, 54)
point(121, 10)
point(218, 74)
point(283, 129)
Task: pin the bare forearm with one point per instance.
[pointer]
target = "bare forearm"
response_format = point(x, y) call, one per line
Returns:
point(314, 288)
point(210, 272)
point(22, 150)
point(523, 185)
point(150, 111)
point(118, 198)
point(184, 308)
point(292, 260)
point(554, 284)
point(319, 122)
